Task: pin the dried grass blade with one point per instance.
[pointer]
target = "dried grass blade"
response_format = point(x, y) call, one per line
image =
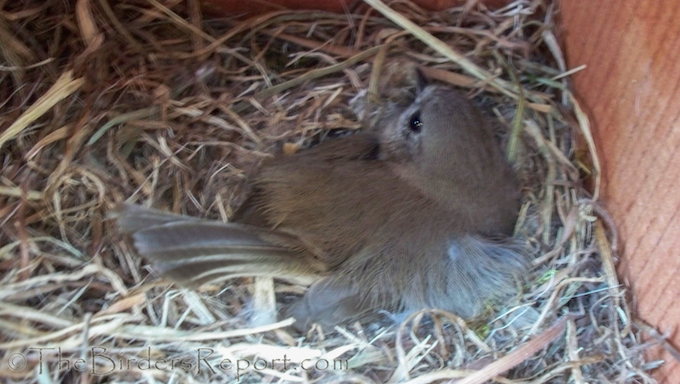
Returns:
point(584, 126)
point(317, 73)
point(88, 27)
point(439, 46)
point(62, 88)
point(519, 355)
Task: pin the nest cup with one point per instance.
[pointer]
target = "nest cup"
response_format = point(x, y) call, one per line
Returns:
point(160, 105)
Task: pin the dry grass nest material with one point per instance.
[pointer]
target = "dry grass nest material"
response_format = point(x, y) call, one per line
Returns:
point(104, 101)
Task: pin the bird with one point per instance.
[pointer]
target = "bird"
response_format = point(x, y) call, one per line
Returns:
point(417, 211)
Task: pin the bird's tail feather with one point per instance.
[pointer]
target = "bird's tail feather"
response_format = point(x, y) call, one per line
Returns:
point(193, 252)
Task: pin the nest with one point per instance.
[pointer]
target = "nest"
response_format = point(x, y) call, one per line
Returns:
point(159, 104)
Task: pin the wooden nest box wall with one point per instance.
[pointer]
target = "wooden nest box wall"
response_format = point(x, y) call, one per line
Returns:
point(631, 92)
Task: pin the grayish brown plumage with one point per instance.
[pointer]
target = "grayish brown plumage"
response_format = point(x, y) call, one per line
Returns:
point(414, 213)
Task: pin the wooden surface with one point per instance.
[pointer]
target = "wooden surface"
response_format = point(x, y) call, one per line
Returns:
point(631, 90)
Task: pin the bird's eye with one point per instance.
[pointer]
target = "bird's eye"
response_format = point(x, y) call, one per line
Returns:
point(415, 124)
